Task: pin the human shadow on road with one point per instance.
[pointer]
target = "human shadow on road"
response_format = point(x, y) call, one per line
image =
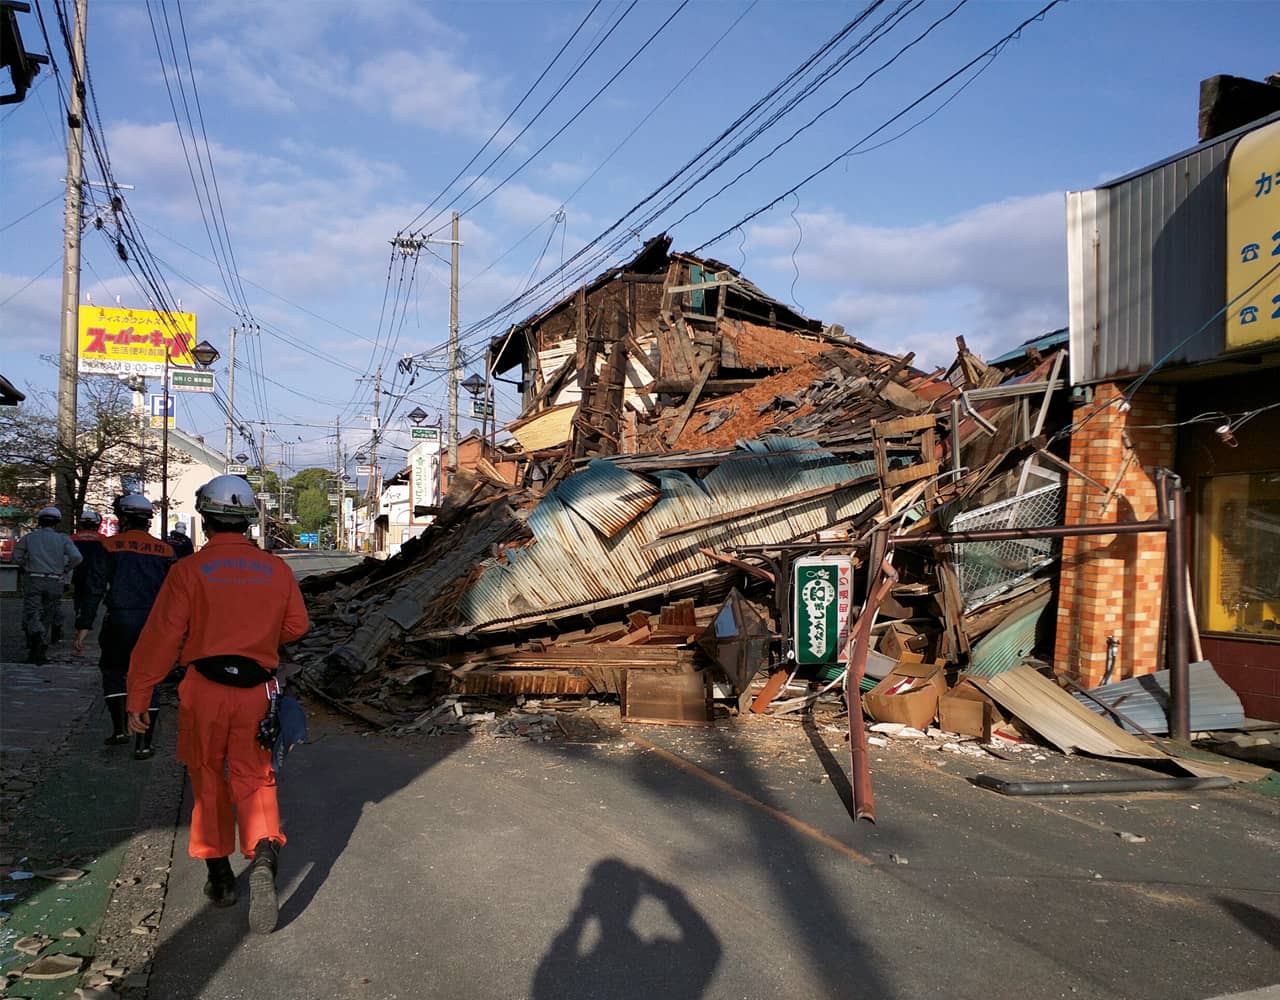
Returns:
point(602, 952)
point(324, 793)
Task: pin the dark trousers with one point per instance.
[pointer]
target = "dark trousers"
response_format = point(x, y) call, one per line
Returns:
point(41, 606)
point(117, 641)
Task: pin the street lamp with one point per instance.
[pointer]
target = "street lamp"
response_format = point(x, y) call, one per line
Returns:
point(242, 458)
point(417, 415)
point(204, 354)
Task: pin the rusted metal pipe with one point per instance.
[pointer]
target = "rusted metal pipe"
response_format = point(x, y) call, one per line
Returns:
point(879, 582)
point(1045, 531)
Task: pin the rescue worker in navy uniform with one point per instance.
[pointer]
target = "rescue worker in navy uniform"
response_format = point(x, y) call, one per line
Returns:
point(137, 565)
point(46, 557)
point(89, 579)
point(225, 612)
point(179, 540)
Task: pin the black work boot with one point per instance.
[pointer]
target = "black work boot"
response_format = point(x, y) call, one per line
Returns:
point(119, 724)
point(142, 749)
point(221, 887)
point(38, 652)
point(263, 905)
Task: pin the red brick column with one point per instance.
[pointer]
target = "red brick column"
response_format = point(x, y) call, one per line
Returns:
point(1113, 584)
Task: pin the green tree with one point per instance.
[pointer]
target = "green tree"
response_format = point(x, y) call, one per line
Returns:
point(313, 509)
point(311, 479)
point(111, 447)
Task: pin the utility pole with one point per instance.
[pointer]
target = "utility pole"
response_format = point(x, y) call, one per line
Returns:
point(453, 346)
point(262, 495)
point(70, 340)
point(231, 395)
point(337, 430)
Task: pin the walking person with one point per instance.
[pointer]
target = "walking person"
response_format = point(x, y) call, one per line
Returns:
point(89, 579)
point(181, 542)
point(46, 557)
point(137, 563)
point(225, 612)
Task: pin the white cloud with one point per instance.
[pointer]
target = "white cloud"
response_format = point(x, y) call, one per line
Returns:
point(996, 274)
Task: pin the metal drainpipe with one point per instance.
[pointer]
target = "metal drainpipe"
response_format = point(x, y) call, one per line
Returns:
point(1176, 573)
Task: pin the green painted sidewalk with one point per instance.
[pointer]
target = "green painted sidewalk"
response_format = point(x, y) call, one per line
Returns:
point(81, 814)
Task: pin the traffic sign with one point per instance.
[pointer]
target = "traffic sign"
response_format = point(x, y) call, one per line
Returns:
point(424, 433)
point(181, 381)
point(156, 403)
point(254, 480)
point(481, 408)
point(366, 470)
point(309, 538)
point(237, 470)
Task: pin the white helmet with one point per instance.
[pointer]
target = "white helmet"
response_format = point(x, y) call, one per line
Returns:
point(91, 517)
point(49, 514)
point(227, 496)
point(134, 505)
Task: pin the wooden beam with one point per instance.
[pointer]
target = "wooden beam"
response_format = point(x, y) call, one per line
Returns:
point(686, 408)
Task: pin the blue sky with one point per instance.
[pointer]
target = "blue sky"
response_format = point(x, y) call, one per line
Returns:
point(332, 125)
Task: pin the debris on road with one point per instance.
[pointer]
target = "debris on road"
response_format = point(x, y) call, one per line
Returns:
point(686, 522)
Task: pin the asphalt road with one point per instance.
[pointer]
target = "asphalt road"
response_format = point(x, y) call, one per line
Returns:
point(309, 562)
point(722, 864)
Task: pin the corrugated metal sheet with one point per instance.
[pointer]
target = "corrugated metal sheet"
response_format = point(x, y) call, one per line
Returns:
point(571, 564)
point(1145, 700)
point(1146, 261)
point(1004, 647)
point(607, 497)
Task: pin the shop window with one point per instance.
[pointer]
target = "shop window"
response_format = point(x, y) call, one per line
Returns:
point(1239, 554)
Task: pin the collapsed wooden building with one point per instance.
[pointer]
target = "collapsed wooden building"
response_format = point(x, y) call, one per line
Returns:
point(685, 445)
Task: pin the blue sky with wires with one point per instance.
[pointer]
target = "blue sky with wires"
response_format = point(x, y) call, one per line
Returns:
point(276, 149)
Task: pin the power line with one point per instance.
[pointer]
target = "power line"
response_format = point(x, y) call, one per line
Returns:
point(46, 204)
point(519, 104)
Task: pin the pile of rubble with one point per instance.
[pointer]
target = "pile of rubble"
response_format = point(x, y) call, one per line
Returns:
point(700, 491)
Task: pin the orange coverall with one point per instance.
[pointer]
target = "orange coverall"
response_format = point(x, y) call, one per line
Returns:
point(229, 598)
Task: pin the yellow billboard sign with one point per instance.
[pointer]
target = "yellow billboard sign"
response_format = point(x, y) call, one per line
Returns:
point(134, 341)
point(1253, 239)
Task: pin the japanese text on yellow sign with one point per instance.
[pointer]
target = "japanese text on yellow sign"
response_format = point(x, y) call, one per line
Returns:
point(134, 341)
point(1253, 238)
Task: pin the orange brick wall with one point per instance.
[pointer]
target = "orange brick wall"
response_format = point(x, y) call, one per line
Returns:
point(1113, 584)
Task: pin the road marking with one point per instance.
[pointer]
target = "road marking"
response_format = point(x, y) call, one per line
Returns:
point(809, 831)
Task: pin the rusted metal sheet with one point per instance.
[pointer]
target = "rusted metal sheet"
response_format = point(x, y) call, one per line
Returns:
point(608, 498)
point(571, 564)
point(521, 682)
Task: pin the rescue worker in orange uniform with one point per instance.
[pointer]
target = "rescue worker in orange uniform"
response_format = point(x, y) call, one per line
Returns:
point(224, 612)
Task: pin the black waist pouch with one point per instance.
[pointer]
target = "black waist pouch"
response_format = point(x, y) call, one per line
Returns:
point(232, 670)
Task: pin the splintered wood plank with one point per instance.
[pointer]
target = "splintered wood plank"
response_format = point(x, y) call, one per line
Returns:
point(902, 426)
point(910, 474)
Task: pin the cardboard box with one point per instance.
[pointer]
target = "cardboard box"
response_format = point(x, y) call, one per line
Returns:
point(909, 694)
point(967, 711)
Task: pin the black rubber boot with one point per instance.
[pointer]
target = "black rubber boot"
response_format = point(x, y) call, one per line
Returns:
point(142, 749)
point(37, 651)
point(221, 887)
point(263, 904)
point(119, 724)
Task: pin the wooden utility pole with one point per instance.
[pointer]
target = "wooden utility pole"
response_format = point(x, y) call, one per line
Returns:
point(69, 354)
